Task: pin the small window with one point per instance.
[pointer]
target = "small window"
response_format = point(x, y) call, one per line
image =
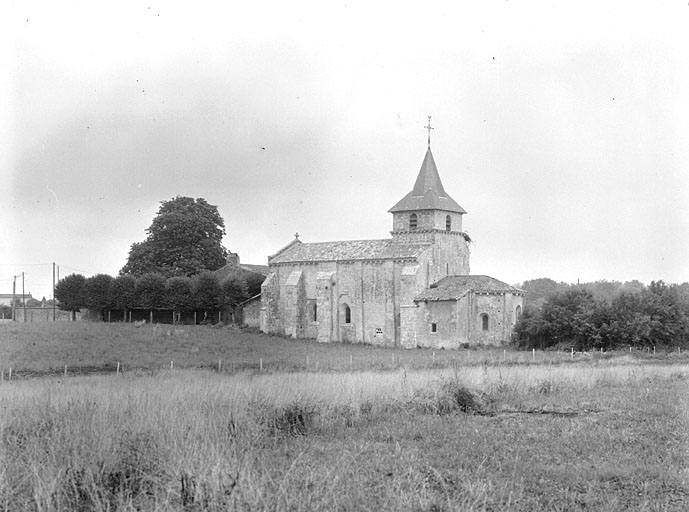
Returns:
point(348, 315)
point(379, 331)
point(448, 223)
point(314, 311)
point(434, 328)
point(517, 313)
point(413, 222)
point(484, 321)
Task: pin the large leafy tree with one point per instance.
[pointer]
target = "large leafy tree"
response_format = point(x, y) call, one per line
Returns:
point(178, 293)
point(150, 291)
point(538, 290)
point(253, 284)
point(207, 292)
point(234, 291)
point(69, 292)
point(123, 293)
point(184, 239)
point(653, 315)
point(97, 293)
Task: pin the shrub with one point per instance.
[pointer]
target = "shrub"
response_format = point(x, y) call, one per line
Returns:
point(451, 397)
point(294, 419)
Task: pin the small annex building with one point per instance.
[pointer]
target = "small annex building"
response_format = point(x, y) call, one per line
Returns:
point(412, 290)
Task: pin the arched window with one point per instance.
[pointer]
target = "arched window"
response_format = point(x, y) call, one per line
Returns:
point(448, 223)
point(517, 313)
point(314, 311)
point(484, 321)
point(347, 314)
point(412, 222)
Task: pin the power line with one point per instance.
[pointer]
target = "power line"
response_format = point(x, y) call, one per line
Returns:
point(25, 264)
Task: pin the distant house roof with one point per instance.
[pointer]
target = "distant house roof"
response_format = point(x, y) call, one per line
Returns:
point(258, 269)
point(232, 269)
point(255, 298)
point(428, 192)
point(348, 250)
point(455, 287)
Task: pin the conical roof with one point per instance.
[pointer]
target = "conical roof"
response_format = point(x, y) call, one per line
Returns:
point(428, 192)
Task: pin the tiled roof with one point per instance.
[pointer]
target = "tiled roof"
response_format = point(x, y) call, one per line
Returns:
point(428, 192)
point(232, 270)
point(258, 269)
point(293, 278)
point(349, 250)
point(455, 287)
point(256, 297)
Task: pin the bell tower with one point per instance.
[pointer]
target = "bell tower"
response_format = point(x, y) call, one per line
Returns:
point(428, 215)
point(427, 209)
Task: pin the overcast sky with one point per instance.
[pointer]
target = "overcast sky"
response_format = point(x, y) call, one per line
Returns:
point(562, 128)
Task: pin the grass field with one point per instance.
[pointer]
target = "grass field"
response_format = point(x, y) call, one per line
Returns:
point(484, 431)
point(37, 349)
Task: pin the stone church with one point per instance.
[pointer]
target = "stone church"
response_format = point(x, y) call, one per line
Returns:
point(411, 290)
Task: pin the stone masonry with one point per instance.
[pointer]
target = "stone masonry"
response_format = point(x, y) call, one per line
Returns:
point(413, 289)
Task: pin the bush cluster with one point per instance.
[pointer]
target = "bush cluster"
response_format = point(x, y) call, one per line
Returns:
point(150, 291)
point(655, 315)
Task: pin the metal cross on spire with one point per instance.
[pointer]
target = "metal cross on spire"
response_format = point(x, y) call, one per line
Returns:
point(429, 128)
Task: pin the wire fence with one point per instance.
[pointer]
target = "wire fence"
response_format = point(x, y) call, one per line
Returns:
point(433, 360)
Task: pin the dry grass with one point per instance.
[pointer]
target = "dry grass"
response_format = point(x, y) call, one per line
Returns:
point(538, 437)
point(34, 349)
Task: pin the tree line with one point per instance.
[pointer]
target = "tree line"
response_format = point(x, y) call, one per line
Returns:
point(623, 316)
point(153, 291)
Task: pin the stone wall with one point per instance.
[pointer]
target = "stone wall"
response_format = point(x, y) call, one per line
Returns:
point(270, 305)
point(427, 220)
point(251, 313)
point(324, 302)
point(437, 325)
point(368, 288)
point(294, 300)
point(500, 310)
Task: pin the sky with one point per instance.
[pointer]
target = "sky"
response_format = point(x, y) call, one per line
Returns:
point(562, 128)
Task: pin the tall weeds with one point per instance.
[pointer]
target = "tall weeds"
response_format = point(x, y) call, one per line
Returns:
point(426, 440)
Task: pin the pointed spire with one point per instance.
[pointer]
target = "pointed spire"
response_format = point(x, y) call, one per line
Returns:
point(428, 192)
point(428, 178)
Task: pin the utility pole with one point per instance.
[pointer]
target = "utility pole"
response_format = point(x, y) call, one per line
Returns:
point(14, 298)
point(53, 291)
point(23, 297)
